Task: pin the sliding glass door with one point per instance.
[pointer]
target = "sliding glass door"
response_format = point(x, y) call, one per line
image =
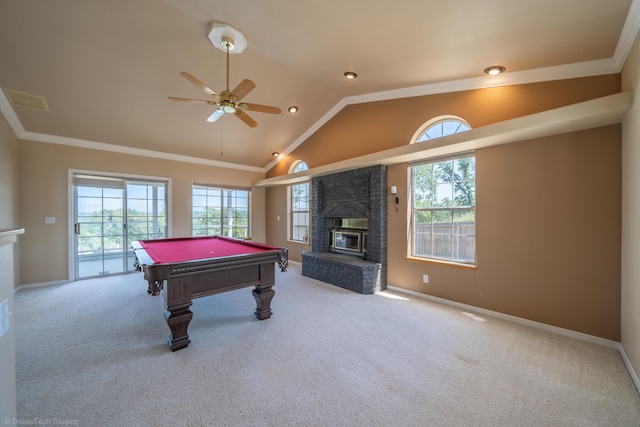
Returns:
point(146, 213)
point(110, 212)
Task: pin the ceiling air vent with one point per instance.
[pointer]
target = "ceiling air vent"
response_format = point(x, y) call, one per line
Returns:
point(28, 100)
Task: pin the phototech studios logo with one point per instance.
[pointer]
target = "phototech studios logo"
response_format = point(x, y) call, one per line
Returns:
point(40, 422)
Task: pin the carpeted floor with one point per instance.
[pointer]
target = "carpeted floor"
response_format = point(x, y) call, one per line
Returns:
point(94, 353)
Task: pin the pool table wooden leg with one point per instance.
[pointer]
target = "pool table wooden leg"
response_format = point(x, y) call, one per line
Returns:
point(155, 287)
point(156, 277)
point(178, 322)
point(283, 263)
point(263, 296)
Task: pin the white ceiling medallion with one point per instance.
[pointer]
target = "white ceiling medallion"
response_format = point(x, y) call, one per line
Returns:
point(220, 31)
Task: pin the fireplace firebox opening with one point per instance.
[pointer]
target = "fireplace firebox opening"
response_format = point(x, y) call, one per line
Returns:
point(348, 236)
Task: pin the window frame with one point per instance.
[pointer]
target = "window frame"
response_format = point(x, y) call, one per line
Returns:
point(453, 240)
point(431, 123)
point(83, 177)
point(298, 166)
point(225, 193)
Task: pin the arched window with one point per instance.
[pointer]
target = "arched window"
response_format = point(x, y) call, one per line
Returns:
point(443, 198)
point(439, 127)
point(299, 206)
point(298, 166)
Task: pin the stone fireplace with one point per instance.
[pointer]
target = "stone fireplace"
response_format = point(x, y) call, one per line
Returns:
point(349, 230)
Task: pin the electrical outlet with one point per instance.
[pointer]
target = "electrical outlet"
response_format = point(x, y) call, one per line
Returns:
point(425, 278)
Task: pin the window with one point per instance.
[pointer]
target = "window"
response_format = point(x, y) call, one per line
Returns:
point(220, 211)
point(444, 201)
point(299, 207)
point(146, 210)
point(442, 127)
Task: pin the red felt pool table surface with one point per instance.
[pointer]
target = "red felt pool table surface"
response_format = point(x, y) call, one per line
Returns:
point(174, 250)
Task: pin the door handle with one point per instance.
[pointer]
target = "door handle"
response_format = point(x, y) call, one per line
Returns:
point(76, 228)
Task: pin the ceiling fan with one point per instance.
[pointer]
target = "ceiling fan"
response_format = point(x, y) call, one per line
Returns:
point(228, 101)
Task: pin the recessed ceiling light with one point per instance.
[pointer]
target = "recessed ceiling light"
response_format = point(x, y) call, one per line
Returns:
point(275, 154)
point(292, 109)
point(494, 70)
point(350, 75)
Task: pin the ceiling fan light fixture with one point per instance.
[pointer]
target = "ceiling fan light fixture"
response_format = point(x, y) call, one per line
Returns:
point(350, 75)
point(227, 106)
point(293, 109)
point(494, 70)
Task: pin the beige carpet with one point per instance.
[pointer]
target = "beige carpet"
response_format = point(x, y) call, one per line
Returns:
point(94, 352)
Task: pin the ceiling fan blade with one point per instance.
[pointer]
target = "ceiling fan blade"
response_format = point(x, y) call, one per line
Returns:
point(198, 83)
point(197, 101)
point(243, 89)
point(259, 108)
point(215, 116)
point(245, 118)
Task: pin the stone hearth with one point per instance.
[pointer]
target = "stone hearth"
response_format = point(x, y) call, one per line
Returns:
point(359, 193)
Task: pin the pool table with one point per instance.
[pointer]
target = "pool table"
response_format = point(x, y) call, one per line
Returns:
point(195, 267)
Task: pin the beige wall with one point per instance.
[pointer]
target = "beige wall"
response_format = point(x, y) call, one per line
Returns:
point(276, 217)
point(548, 210)
point(44, 186)
point(630, 317)
point(548, 234)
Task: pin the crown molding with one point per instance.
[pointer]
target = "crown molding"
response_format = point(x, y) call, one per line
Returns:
point(559, 72)
point(628, 34)
point(93, 145)
point(10, 115)
point(611, 65)
point(21, 133)
point(568, 71)
point(302, 138)
point(571, 118)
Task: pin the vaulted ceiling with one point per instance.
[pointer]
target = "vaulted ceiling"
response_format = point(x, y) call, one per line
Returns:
point(107, 68)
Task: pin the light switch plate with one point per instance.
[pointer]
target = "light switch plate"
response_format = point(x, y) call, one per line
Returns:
point(50, 220)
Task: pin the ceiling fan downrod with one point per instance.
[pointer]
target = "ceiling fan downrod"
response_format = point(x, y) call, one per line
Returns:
point(227, 42)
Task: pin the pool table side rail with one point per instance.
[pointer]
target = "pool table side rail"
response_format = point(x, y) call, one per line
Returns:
point(144, 259)
point(156, 273)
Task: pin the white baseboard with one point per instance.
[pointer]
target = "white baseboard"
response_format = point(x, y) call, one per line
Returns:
point(538, 325)
point(543, 326)
point(295, 264)
point(632, 371)
point(39, 285)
